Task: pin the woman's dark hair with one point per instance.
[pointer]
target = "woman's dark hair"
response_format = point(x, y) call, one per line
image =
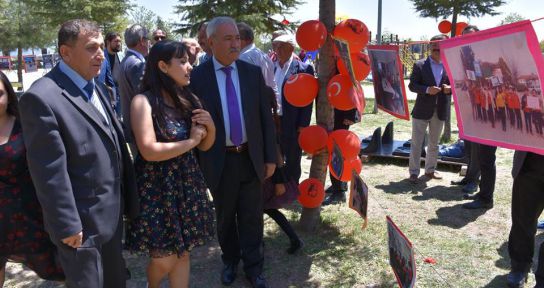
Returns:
point(12, 98)
point(156, 81)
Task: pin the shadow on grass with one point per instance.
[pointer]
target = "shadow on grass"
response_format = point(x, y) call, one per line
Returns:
point(442, 193)
point(498, 281)
point(455, 216)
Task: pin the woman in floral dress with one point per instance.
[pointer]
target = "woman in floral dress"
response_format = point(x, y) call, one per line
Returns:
point(22, 235)
point(168, 123)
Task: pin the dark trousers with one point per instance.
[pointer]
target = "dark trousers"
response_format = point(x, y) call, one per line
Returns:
point(502, 115)
point(284, 224)
point(488, 171)
point(238, 204)
point(293, 156)
point(473, 170)
point(336, 184)
point(519, 125)
point(537, 118)
point(527, 205)
point(92, 265)
point(528, 122)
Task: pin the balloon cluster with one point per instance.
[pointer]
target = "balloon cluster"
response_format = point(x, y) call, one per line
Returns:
point(301, 89)
point(445, 27)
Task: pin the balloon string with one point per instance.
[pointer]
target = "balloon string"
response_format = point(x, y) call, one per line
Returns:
point(538, 19)
point(418, 253)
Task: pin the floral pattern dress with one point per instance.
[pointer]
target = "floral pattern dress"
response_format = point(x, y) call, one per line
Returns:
point(176, 213)
point(22, 235)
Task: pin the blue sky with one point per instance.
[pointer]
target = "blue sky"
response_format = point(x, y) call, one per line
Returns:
point(398, 17)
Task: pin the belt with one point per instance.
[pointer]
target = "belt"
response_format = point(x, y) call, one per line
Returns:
point(237, 149)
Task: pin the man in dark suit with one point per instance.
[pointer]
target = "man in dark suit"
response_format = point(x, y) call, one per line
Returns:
point(293, 118)
point(527, 205)
point(244, 152)
point(430, 81)
point(132, 70)
point(78, 161)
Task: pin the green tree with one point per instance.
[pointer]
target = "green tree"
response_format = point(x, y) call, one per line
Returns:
point(542, 46)
point(257, 14)
point(309, 219)
point(454, 8)
point(511, 18)
point(143, 16)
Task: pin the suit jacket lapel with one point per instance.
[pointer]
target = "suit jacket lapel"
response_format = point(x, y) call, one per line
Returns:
point(214, 98)
point(75, 96)
point(427, 70)
point(244, 93)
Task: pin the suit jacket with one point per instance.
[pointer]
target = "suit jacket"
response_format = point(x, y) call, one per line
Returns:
point(79, 164)
point(422, 78)
point(292, 116)
point(259, 125)
point(132, 70)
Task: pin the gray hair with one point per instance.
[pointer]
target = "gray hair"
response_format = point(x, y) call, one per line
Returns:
point(246, 32)
point(216, 22)
point(134, 34)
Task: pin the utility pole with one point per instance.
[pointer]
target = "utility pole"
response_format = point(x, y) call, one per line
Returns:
point(379, 41)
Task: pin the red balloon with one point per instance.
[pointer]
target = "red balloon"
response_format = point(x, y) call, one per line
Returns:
point(311, 35)
point(360, 63)
point(348, 167)
point(354, 32)
point(312, 139)
point(312, 193)
point(347, 141)
point(300, 89)
point(340, 92)
point(444, 26)
point(459, 27)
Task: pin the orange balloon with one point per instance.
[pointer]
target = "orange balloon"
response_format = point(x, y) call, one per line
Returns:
point(354, 32)
point(444, 26)
point(347, 141)
point(311, 35)
point(300, 89)
point(340, 92)
point(312, 193)
point(360, 63)
point(459, 27)
point(312, 138)
point(349, 165)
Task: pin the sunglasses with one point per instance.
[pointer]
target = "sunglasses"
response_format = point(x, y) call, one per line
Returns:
point(158, 38)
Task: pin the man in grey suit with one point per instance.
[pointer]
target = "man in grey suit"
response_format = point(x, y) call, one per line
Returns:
point(527, 205)
point(132, 70)
point(244, 153)
point(78, 161)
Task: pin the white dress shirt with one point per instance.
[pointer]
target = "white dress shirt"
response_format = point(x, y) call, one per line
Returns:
point(221, 78)
point(279, 75)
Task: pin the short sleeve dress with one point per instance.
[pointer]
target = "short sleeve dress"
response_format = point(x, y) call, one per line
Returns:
point(176, 213)
point(22, 235)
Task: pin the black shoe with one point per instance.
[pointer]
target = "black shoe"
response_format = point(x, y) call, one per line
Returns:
point(459, 183)
point(470, 187)
point(334, 198)
point(257, 282)
point(516, 279)
point(478, 204)
point(228, 275)
point(296, 245)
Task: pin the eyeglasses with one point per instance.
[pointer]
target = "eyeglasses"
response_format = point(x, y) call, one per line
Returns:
point(159, 38)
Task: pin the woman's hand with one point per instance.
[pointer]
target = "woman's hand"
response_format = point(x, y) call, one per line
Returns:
point(202, 117)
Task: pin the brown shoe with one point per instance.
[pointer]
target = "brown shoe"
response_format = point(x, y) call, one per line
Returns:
point(434, 175)
point(413, 178)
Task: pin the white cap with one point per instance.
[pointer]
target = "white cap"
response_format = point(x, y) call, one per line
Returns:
point(287, 38)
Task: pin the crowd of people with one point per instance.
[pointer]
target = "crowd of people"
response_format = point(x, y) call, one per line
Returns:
point(102, 149)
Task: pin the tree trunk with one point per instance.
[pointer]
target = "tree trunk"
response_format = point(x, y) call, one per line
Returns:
point(20, 65)
point(309, 218)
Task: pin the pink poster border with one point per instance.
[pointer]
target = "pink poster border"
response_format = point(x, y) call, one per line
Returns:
point(534, 49)
point(394, 48)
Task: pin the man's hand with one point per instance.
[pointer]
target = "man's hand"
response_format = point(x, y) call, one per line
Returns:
point(446, 88)
point(74, 241)
point(433, 90)
point(269, 170)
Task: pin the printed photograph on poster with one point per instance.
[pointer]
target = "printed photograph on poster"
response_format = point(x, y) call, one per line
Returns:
point(343, 50)
point(496, 82)
point(358, 196)
point(401, 256)
point(388, 80)
point(48, 61)
point(30, 63)
point(5, 63)
point(337, 160)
